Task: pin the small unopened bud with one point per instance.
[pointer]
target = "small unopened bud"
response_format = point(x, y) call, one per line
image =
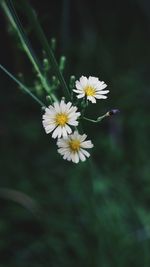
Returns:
point(62, 63)
point(54, 79)
point(43, 108)
point(72, 81)
point(53, 44)
point(48, 98)
point(21, 77)
point(46, 64)
point(113, 112)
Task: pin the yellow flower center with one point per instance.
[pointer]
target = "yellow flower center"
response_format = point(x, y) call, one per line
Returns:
point(89, 90)
point(61, 119)
point(74, 145)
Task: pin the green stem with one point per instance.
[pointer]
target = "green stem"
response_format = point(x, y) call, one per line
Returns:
point(22, 86)
point(98, 119)
point(41, 36)
point(14, 20)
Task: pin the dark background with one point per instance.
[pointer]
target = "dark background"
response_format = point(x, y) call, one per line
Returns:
point(54, 213)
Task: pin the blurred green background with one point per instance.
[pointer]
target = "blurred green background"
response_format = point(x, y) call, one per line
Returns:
point(54, 213)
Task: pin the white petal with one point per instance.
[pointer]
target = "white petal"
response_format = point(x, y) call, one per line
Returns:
point(63, 150)
point(49, 129)
point(68, 158)
point(81, 156)
point(101, 96)
point(87, 154)
point(49, 122)
point(68, 129)
point(78, 91)
point(72, 110)
point(93, 79)
point(57, 107)
point(87, 144)
point(101, 86)
point(78, 85)
point(68, 106)
point(92, 99)
point(83, 81)
point(83, 137)
point(73, 123)
point(49, 118)
point(67, 155)
point(62, 143)
point(56, 132)
point(102, 92)
point(80, 95)
point(74, 115)
point(62, 106)
point(50, 110)
point(75, 157)
point(76, 134)
point(64, 131)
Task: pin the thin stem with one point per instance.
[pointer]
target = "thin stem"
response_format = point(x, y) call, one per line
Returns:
point(91, 120)
point(22, 86)
point(98, 119)
point(14, 20)
point(41, 36)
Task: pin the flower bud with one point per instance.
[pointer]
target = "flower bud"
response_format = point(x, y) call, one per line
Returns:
point(113, 112)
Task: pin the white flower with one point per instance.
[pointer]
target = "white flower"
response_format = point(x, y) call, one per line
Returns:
point(73, 147)
point(58, 117)
point(91, 88)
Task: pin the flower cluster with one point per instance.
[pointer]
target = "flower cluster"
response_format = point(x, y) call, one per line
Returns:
point(61, 117)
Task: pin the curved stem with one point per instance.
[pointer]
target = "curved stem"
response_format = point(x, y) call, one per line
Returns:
point(98, 119)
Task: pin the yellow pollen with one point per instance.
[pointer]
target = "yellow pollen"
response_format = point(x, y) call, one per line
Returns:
point(89, 90)
point(74, 145)
point(61, 119)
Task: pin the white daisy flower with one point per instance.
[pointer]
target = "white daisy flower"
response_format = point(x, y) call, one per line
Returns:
point(73, 147)
point(58, 117)
point(91, 88)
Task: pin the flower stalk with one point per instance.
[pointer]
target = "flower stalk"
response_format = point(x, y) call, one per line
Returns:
point(107, 114)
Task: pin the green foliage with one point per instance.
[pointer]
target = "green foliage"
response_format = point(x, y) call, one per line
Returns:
point(94, 214)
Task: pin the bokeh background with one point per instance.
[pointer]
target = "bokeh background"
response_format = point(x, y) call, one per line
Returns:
point(54, 213)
